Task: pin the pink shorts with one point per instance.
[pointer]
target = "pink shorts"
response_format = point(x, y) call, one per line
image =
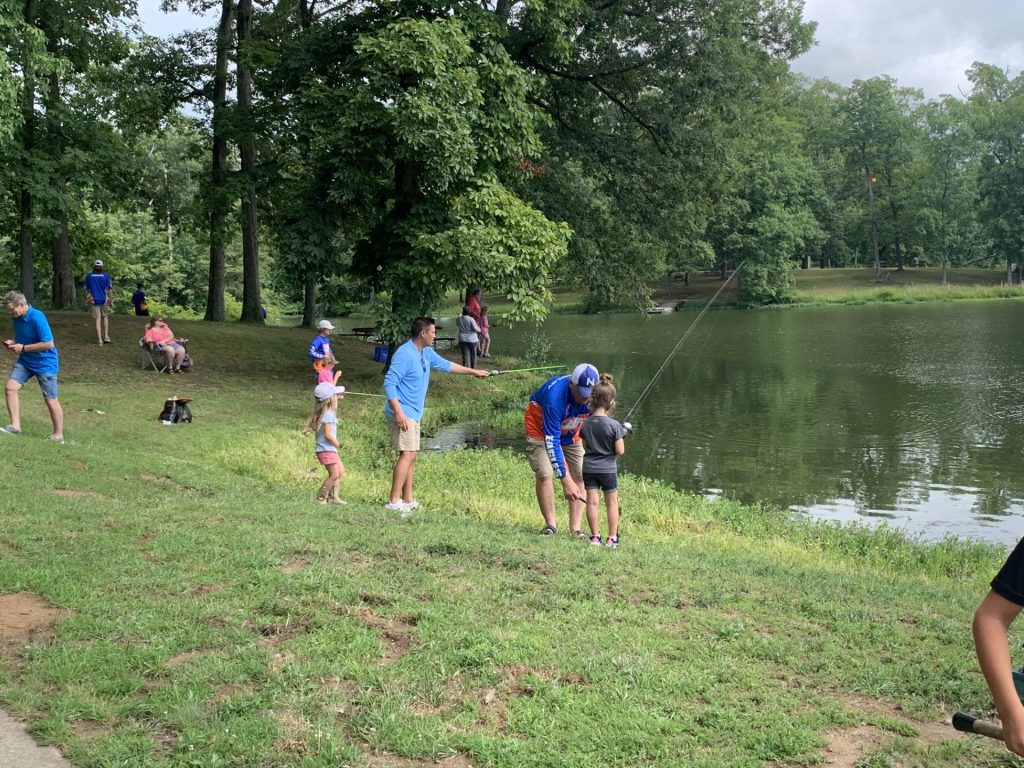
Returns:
point(328, 457)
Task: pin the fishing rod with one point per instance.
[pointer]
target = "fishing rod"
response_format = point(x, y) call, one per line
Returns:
point(363, 394)
point(679, 344)
point(521, 370)
point(968, 723)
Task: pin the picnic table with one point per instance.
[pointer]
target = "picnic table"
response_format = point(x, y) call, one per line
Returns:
point(366, 333)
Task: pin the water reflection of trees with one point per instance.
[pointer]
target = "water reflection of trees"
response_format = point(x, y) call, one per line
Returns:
point(803, 416)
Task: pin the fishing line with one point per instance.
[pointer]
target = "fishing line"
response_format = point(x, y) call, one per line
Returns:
point(679, 344)
point(520, 370)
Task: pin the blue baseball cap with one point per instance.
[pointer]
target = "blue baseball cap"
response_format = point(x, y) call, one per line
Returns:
point(584, 376)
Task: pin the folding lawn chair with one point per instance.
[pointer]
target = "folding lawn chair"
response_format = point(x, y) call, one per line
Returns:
point(151, 358)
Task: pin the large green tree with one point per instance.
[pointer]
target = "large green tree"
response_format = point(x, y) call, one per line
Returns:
point(883, 139)
point(951, 231)
point(998, 105)
point(421, 120)
point(643, 97)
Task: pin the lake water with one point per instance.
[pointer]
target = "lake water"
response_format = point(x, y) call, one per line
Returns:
point(911, 414)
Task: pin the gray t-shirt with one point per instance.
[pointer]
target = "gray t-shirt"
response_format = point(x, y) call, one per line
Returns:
point(321, 439)
point(599, 436)
point(468, 329)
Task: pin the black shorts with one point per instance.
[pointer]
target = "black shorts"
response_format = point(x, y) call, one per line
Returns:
point(602, 481)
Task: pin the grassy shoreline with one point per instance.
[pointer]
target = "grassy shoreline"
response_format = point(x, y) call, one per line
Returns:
point(211, 614)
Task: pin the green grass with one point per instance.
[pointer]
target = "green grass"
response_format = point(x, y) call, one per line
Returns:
point(213, 615)
point(856, 286)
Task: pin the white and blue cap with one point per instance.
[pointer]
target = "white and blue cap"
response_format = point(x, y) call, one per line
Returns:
point(584, 376)
point(325, 390)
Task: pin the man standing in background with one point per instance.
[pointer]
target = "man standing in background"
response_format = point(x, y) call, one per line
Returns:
point(99, 295)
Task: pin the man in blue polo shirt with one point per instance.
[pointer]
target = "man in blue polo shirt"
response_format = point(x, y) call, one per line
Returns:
point(405, 387)
point(37, 356)
point(99, 295)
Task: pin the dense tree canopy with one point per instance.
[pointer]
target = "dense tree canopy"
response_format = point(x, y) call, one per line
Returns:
point(317, 155)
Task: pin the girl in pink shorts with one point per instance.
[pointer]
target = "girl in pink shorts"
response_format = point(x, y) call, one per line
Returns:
point(324, 423)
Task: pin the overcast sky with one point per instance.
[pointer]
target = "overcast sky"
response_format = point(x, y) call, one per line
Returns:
point(926, 44)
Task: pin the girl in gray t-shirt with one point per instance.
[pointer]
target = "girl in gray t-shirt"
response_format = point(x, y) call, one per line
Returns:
point(603, 438)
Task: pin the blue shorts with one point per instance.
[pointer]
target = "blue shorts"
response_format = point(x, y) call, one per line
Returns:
point(603, 481)
point(47, 381)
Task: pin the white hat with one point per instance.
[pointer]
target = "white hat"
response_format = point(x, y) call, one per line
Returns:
point(325, 325)
point(98, 263)
point(325, 390)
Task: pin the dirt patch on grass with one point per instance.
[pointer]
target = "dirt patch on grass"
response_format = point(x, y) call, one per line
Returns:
point(281, 660)
point(848, 746)
point(294, 564)
point(229, 690)
point(25, 618)
point(71, 493)
point(164, 480)
point(205, 589)
point(185, 657)
point(275, 634)
point(514, 678)
point(396, 633)
point(389, 760)
point(293, 730)
point(354, 562)
point(492, 703)
point(89, 730)
point(340, 694)
point(934, 732)
point(6, 546)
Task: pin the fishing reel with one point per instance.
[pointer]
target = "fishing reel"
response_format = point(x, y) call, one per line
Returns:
point(627, 426)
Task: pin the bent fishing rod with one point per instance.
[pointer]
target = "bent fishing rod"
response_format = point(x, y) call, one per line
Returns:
point(679, 344)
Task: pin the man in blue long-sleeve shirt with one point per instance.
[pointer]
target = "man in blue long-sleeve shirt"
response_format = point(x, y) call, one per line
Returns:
point(405, 390)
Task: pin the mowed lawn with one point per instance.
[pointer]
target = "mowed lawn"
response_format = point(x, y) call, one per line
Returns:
point(184, 602)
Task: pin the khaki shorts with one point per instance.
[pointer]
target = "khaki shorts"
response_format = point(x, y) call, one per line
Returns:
point(409, 440)
point(541, 464)
point(99, 310)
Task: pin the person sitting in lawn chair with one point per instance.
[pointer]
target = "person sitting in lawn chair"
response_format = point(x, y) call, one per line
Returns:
point(160, 338)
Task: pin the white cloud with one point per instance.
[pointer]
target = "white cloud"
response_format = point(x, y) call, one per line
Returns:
point(922, 44)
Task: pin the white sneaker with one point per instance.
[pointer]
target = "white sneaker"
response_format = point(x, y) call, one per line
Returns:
point(411, 505)
point(10, 429)
point(395, 506)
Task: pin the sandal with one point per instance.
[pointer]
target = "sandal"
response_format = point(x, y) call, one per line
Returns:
point(548, 530)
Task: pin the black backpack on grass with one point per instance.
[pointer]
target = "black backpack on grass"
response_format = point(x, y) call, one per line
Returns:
point(176, 410)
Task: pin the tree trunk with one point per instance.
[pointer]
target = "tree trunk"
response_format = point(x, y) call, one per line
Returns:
point(218, 171)
point(252, 305)
point(169, 227)
point(309, 301)
point(1009, 271)
point(26, 267)
point(63, 283)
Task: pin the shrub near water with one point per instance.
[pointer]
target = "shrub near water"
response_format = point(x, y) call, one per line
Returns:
point(217, 616)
